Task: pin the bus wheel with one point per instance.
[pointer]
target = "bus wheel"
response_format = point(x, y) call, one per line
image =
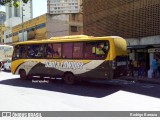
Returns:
point(23, 75)
point(69, 78)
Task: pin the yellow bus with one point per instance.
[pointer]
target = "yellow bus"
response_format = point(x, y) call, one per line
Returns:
point(72, 58)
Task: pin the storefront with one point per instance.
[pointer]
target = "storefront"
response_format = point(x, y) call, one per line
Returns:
point(154, 52)
point(139, 55)
point(144, 54)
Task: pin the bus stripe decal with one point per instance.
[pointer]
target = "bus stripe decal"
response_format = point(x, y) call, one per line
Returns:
point(18, 67)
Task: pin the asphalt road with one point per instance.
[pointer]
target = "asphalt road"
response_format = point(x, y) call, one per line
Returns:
point(45, 95)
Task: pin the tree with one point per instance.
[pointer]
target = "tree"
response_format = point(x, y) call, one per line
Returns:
point(11, 2)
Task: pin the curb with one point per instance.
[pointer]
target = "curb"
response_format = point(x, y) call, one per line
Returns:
point(149, 81)
point(142, 80)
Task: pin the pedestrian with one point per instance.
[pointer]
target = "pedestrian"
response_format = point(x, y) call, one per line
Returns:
point(154, 67)
point(142, 69)
point(139, 68)
point(135, 64)
point(131, 68)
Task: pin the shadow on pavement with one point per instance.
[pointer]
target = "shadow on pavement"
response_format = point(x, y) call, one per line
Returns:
point(6, 71)
point(97, 90)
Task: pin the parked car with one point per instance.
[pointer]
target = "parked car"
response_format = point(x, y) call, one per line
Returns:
point(7, 65)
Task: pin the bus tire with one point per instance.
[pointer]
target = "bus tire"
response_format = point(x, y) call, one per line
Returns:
point(23, 75)
point(69, 78)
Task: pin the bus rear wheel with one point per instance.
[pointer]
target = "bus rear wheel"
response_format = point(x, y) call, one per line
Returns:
point(69, 78)
point(23, 75)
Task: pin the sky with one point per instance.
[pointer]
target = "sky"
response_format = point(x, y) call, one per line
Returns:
point(39, 7)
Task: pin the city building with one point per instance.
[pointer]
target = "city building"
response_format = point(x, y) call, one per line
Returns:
point(14, 15)
point(2, 17)
point(46, 26)
point(2, 29)
point(2, 26)
point(63, 6)
point(138, 21)
point(76, 24)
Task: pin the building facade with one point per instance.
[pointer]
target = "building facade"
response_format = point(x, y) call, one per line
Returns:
point(63, 6)
point(138, 21)
point(46, 26)
point(8, 36)
point(126, 18)
point(76, 24)
point(2, 29)
point(2, 26)
point(14, 15)
point(2, 17)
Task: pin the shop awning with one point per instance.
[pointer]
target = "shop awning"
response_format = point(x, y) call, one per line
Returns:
point(139, 46)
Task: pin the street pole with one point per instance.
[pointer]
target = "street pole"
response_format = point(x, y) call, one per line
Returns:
point(22, 26)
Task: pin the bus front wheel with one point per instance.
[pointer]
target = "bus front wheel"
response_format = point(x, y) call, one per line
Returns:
point(23, 75)
point(69, 78)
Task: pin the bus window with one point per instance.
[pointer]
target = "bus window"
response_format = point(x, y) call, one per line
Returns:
point(101, 48)
point(49, 50)
point(16, 53)
point(78, 50)
point(23, 51)
point(20, 52)
point(57, 50)
point(96, 50)
point(35, 51)
point(53, 50)
point(67, 50)
point(89, 52)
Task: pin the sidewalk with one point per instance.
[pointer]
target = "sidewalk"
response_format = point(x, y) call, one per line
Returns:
point(144, 79)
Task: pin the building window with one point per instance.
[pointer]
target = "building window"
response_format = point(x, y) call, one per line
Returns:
point(10, 35)
point(30, 29)
point(16, 12)
point(41, 26)
point(73, 17)
point(16, 33)
point(10, 11)
point(74, 28)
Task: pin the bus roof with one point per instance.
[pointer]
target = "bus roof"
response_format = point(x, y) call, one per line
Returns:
point(70, 37)
point(67, 39)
